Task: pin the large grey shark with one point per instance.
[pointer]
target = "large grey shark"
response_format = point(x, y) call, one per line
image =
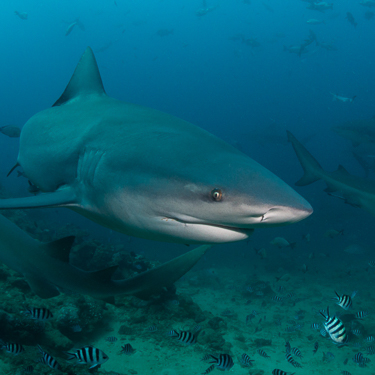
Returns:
point(146, 173)
point(356, 191)
point(46, 268)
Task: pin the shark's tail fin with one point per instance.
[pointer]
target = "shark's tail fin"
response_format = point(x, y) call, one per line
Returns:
point(309, 164)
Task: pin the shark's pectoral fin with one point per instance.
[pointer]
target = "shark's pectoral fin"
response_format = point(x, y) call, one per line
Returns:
point(40, 287)
point(151, 282)
point(59, 249)
point(63, 197)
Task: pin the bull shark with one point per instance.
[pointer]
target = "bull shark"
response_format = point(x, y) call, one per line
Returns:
point(356, 191)
point(46, 268)
point(357, 131)
point(145, 173)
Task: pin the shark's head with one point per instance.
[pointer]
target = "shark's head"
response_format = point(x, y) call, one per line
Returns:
point(220, 195)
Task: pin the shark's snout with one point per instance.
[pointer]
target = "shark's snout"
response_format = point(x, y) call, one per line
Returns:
point(287, 214)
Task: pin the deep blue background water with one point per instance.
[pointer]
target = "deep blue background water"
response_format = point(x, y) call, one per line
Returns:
point(197, 73)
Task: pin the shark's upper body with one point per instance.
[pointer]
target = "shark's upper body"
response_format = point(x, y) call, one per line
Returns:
point(47, 270)
point(146, 173)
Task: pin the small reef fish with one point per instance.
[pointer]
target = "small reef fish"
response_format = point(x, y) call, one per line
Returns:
point(262, 353)
point(367, 3)
point(211, 368)
point(296, 352)
point(185, 337)
point(370, 339)
point(293, 362)
point(343, 99)
point(315, 326)
point(245, 360)
point(48, 360)
point(281, 242)
point(332, 233)
point(22, 15)
point(371, 263)
point(351, 19)
point(111, 339)
point(335, 328)
point(314, 21)
point(11, 131)
point(356, 332)
point(127, 349)
point(89, 355)
point(345, 301)
point(320, 6)
point(277, 299)
point(13, 348)
point(39, 313)
point(152, 329)
point(361, 314)
point(277, 371)
point(223, 362)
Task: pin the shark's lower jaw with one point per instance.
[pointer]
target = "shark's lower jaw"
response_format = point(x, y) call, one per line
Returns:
point(205, 233)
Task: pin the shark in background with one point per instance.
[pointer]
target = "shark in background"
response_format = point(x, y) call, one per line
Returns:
point(47, 270)
point(145, 173)
point(356, 191)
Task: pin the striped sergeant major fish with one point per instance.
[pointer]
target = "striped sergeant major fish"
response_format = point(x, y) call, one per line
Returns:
point(262, 353)
point(111, 339)
point(38, 313)
point(223, 362)
point(345, 301)
point(211, 368)
point(13, 348)
point(245, 360)
point(291, 360)
point(335, 328)
point(127, 349)
point(297, 352)
point(185, 337)
point(361, 314)
point(89, 355)
point(48, 360)
point(276, 371)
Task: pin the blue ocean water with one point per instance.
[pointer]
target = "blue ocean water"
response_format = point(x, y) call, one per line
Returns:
point(202, 72)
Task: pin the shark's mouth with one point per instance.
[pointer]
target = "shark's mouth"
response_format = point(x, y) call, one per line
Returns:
point(213, 225)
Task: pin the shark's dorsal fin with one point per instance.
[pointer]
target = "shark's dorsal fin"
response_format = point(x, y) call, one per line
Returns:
point(342, 169)
point(85, 80)
point(105, 275)
point(59, 249)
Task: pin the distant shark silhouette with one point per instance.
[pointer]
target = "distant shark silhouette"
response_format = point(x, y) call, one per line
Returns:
point(356, 191)
point(46, 268)
point(145, 173)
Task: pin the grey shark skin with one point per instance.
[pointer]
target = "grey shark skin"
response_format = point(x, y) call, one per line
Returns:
point(46, 268)
point(356, 191)
point(146, 173)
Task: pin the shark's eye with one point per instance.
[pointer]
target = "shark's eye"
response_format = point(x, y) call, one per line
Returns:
point(216, 195)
